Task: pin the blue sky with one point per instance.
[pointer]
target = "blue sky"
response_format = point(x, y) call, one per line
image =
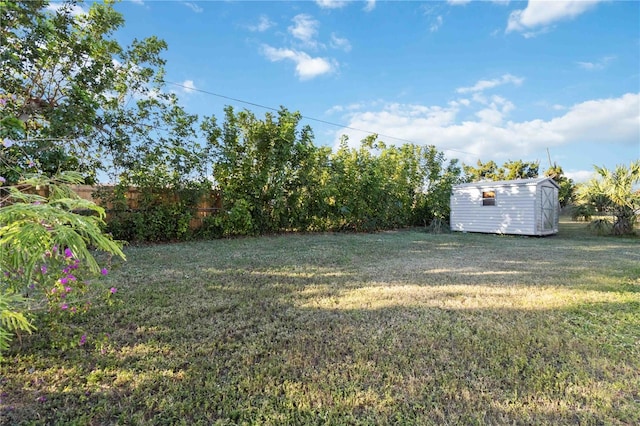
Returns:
point(501, 80)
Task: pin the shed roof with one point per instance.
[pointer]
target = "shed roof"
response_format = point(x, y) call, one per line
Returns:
point(514, 182)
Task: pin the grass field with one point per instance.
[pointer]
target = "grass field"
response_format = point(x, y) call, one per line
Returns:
point(389, 328)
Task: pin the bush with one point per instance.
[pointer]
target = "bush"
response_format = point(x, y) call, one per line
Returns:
point(48, 268)
point(601, 226)
point(583, 212)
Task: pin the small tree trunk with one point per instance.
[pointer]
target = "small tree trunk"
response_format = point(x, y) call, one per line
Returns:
point(625, 221)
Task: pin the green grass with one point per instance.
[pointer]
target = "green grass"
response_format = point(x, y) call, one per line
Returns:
point(389, 328)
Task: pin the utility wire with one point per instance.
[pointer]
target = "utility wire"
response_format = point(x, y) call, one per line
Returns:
point(342, 126)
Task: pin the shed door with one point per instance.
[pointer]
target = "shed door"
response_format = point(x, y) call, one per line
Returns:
point(549, 210)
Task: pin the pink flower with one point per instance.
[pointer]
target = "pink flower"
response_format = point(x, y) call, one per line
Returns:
point(67, 289)
point(83, 340)
point(64, 280)
point(68, 253)
point(104, 271)
point(43, 269)
point(113, 290)
point(64, 306)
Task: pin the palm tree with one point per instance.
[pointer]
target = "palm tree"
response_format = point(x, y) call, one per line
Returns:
point(615, 192)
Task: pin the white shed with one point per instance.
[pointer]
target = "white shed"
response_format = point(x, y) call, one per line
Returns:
point(521, 207)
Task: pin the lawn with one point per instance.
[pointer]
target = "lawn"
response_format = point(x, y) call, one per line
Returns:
point(398, 327)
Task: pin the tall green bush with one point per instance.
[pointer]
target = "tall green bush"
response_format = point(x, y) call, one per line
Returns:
point(264, 168)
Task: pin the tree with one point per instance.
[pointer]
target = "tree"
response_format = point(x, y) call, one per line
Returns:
point(45, 245)
point(265, 170)
point(483, 171)
point(433, 202)
point(67, 82)
point(510, 170)
point(616, 193)
point(567, 187)
point(520, 169)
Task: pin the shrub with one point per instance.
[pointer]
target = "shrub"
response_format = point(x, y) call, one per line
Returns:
point(46, 255)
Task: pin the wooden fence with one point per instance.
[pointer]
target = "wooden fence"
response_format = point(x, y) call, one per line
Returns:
point(208, 205)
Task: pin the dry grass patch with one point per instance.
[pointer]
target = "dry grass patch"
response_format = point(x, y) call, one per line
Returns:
point(389, 328)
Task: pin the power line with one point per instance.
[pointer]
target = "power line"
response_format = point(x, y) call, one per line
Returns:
point(342, 126)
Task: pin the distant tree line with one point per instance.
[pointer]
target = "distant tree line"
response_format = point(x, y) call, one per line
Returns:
point(74, 99)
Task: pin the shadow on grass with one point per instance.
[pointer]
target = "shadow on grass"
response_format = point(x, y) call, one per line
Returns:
point(459, 331)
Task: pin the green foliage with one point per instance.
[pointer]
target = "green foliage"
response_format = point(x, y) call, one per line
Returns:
point(582, 212)
point(433, 204)
point(614, 193)
point(13, 318)
point(169, 170)
point(68, 86)
point(601, 226)
point(438, 226)
point(237, 220)
point(381, 187)
point(34, 230)
point(272, 178)
point(566, 186)
point(264, 168)
point(162, 213)
point(510, 170)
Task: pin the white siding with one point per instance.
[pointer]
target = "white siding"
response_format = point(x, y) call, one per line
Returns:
point(517, 209)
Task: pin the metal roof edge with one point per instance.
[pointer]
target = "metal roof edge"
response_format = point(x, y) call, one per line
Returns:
point(514, 182)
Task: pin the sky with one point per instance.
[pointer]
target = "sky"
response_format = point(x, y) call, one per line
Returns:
point(481, 80)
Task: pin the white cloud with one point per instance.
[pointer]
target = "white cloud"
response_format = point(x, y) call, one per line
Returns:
point(305, 28)
point(193, 6)
point(489, 84)
point(140, 2)
point(188, 86)
point(541, 14)
point(436, 24)
point(371, 4)
point(74, 9)
point(331, 4)
point(612, 121)
point(580, 176)
point(340, 43)
point(490, 116)
point(264, 23)
point(458, 2)
point(307, 67)
point(342, 108)
point(598, 65)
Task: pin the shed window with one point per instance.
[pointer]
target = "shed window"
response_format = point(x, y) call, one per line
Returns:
point(488, 198)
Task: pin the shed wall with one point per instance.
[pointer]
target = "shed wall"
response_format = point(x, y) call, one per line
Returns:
point(517, 209)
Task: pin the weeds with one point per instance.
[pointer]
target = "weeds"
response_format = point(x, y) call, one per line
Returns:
point(388, 328)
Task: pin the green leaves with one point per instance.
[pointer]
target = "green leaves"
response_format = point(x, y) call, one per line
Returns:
point(272, 171)
point(39, 219)
point(510, 170)
point(69, 84)
point(12, 317)
point(614, 193)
